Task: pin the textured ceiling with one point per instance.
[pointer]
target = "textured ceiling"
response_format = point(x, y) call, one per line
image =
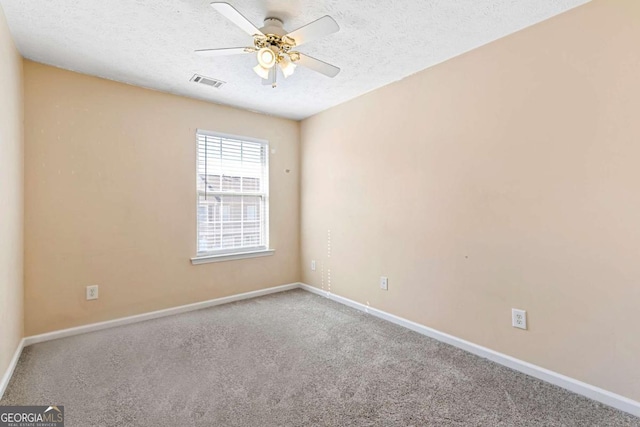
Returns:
point(150, 43)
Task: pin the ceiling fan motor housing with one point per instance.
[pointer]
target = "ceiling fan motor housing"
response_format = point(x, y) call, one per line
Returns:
point(273, 26)
point(274, 37)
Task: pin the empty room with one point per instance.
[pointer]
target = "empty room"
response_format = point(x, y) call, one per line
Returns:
point(319, 213)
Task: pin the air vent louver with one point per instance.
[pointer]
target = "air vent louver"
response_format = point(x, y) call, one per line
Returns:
point(197, 78)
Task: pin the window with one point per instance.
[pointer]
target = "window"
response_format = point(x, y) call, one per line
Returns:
point(233, 194)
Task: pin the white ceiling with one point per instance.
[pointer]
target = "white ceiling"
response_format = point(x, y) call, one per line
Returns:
point(150, 43)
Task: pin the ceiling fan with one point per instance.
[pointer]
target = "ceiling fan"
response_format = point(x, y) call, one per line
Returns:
point(275, 46)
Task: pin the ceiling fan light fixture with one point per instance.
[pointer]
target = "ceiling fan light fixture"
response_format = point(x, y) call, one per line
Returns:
point(287, 67)
point(266, 58)
point(261, 71)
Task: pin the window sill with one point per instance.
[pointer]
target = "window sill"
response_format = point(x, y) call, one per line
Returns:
point(230, 257)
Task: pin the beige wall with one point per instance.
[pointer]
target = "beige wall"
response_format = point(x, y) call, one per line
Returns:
point(506, 177)
point(11, 196)
point(110, 200)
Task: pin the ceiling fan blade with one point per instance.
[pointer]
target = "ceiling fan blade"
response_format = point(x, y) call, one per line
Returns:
point(318, 66)
point(236, 17)
point(225, 51)
point(318, 28)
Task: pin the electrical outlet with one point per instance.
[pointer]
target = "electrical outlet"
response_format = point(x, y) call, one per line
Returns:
point(92, 292)
point(518, 318)
point(384, 283)
point(313, 265)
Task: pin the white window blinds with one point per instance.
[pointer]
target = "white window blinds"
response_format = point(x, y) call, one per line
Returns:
point(233, 190)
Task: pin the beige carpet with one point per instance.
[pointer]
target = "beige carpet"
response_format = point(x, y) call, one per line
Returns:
point(289, 359)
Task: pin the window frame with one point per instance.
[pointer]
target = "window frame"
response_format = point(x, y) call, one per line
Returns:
point(236, 252)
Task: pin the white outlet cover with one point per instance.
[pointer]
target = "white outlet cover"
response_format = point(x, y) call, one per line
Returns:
point(384, 283)
point(518, 318)
point(92, 292)
point(313, 265)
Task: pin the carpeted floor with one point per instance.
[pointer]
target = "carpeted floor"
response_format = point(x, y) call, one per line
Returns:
point(288, 359)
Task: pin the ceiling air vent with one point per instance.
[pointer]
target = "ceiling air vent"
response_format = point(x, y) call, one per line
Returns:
point(197, 78)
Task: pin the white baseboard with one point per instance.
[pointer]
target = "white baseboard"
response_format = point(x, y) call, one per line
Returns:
point(12, 366)
point(608, 398)
point(603, 396)
point(34, 339)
